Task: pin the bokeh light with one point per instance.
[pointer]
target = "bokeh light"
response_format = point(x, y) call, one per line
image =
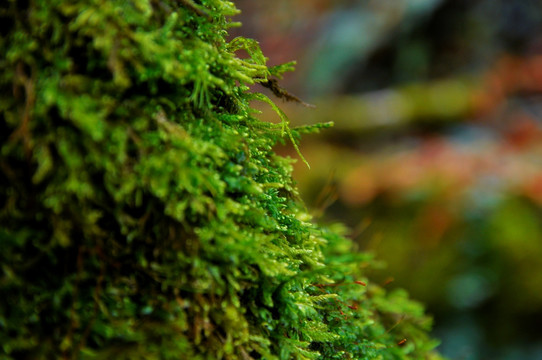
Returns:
point(435, 159)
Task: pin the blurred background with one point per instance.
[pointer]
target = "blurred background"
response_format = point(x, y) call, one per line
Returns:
point(435, 159)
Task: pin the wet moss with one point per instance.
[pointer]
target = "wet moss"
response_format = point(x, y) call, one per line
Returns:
point(143, 211)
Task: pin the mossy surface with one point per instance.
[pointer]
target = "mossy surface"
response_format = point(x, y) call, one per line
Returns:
point(143, 211)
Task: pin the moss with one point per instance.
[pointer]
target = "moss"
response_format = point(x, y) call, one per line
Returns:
point(143, 212)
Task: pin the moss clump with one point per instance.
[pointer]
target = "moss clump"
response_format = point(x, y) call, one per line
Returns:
point(143, 212)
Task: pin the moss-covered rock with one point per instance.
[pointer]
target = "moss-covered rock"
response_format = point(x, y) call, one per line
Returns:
point(143, 212)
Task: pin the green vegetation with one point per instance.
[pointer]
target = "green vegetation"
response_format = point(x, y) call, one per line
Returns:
point(143, 211)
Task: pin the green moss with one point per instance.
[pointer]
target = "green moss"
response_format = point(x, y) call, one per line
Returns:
point(143, 212)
